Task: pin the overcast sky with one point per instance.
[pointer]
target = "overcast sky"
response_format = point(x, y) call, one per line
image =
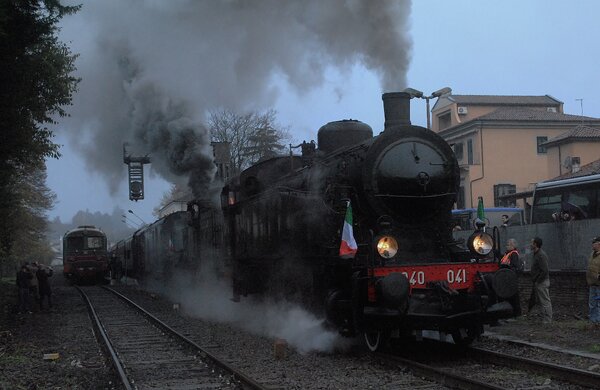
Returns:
point(150, 67)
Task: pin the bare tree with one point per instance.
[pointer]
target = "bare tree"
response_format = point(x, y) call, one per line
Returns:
point(251, 136)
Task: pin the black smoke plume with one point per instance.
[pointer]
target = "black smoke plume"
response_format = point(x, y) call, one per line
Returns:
point(151, 69)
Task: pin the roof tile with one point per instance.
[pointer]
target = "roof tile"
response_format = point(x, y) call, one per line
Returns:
point(499, 100)
point(586, 170)
point(579, 132)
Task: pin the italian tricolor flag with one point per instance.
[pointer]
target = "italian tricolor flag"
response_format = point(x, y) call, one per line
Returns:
point(348, 246)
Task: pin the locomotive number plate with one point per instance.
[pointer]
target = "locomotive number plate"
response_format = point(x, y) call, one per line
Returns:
point(457, 275)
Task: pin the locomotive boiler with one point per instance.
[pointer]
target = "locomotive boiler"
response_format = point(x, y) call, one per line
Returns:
point(283, 220)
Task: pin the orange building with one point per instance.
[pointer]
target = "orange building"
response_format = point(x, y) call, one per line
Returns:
point(506, 144)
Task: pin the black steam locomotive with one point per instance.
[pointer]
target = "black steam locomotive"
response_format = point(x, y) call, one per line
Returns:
point(281, 227)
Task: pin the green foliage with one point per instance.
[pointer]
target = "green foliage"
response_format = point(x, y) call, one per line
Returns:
point(595, 348)
point(264, 143)
point(35, 74)
point(37, 83)
point(29, 198)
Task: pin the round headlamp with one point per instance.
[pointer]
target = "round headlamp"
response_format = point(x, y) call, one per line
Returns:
point(387, 247)
point(481, 243)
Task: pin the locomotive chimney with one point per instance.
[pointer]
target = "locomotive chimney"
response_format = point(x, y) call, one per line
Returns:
point(396, 108)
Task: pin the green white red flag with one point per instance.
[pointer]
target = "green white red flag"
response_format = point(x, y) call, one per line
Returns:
point(348, 246)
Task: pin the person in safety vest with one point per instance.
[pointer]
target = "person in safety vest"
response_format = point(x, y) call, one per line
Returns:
point(512, 260)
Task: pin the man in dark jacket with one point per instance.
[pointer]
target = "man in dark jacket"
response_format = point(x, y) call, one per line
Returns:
point(42, 274)
point(541, 281)
point(23, 281)
point(593, 281)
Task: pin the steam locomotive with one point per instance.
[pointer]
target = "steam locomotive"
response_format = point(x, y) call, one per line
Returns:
point(278, 233)
point(85, 254)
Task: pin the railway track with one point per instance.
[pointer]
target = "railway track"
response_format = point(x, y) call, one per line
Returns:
point(148, 354)
point(478, 368)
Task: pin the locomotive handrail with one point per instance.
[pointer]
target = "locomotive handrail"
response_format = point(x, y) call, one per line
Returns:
point(414, 196)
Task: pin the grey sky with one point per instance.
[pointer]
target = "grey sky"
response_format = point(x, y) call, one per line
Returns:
point(316, 69)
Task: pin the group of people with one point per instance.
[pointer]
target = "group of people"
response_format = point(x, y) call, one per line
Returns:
point(34, 286)
point(540, 276)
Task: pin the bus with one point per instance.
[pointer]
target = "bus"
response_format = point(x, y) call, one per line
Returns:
point(464, 218)
point(567, 199)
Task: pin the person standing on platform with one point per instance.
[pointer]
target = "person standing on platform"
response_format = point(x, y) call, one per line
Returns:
point(44, 272)
point(512, 261)
point(23, 278)
point(593, 281)
point(540, 276)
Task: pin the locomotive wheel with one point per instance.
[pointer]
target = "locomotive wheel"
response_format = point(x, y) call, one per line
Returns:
point(376, 341)
point(464, 340)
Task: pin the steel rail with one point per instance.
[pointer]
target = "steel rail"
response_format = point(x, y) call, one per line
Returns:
point(440, 376)
point(567, 374)
point(107, 344)
point(245, 380)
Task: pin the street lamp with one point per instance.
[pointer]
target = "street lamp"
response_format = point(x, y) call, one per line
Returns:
point(131, 222)
point(128, 224)
point(415, 93)
point(137, 216)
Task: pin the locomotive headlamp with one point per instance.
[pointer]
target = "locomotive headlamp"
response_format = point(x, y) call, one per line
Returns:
point(387, 247)
point(481, 243)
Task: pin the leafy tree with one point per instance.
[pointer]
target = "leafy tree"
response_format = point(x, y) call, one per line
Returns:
point(36, 80)
point(251, 136)
point(26, 239)
point(264, 143)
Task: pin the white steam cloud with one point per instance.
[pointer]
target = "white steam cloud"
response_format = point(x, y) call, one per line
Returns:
point(209, 299)
point(150, 69)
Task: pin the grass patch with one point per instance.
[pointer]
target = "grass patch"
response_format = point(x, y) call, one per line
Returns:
point(581, 324)
point(594, 348)
point(8, 280)
point(14, 359)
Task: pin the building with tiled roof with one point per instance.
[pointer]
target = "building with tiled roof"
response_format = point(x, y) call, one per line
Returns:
point(506, 144)
point(570, 150)
point(453, 110)
point(592, 168)
point(506, 100)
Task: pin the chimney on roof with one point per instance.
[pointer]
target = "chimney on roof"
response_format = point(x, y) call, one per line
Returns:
point(575, 164)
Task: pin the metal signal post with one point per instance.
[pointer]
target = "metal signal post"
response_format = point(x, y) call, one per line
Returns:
point(135, 165)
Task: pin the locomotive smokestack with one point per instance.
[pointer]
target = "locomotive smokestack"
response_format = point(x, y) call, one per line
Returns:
point(396, 108)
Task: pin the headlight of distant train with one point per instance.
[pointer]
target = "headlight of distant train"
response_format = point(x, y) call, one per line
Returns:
point(387, 247)
point(481, 243)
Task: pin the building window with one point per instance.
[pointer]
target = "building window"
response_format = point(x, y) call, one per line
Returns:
point(504, 189)
point(444, 121)
point(541, 149)
point(460, 199)
point(458, 151)
point(470, 152)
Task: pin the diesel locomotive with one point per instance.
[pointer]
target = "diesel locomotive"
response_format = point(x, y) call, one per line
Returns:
point(85, 254)
point(279, 228)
